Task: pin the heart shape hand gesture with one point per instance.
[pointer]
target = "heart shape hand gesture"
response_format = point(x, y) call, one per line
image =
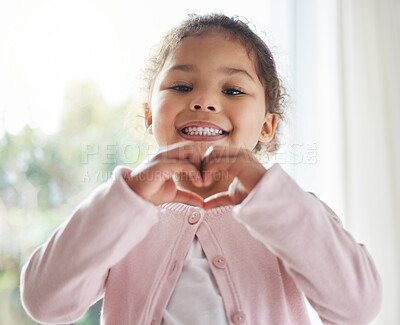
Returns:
point(153, 179)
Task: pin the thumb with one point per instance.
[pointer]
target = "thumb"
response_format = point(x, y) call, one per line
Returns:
point(217, 200)
point(189, 198)
point(237, 191)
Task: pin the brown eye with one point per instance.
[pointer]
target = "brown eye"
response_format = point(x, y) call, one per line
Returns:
point(181, 88)
point(232, 92)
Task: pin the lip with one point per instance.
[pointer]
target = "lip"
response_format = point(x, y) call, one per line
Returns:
point(202, 124)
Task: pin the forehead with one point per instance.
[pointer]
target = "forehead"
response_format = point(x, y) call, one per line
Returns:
point(213, 49)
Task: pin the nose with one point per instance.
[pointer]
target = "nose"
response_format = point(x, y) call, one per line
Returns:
point(198, 107)
point(205, 101)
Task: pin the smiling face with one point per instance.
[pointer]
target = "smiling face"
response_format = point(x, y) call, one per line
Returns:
point(208, 92)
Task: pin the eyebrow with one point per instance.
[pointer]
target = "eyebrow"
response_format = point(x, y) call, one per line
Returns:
point(182, 67)
point(230, 71)
point(226, 70)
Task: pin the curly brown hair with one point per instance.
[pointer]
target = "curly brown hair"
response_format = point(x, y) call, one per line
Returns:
point(233, 28)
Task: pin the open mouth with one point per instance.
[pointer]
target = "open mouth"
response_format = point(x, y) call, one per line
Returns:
point(201, 133)
point(193, 130)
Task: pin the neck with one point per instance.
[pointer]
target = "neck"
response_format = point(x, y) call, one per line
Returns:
point(221, 182)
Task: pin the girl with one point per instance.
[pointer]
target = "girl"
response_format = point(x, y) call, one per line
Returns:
point(202, 233)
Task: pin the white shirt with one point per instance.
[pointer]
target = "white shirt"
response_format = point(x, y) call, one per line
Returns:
point(196, 293)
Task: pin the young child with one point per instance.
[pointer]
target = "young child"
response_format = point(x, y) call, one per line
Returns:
point(201, 232)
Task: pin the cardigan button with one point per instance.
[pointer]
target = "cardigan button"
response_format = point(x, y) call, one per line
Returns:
point(194, 218)
point(219, 262)
point(238, 318)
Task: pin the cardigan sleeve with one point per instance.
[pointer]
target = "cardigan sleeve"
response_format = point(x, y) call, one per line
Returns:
point(336, 274)
point(67, 274)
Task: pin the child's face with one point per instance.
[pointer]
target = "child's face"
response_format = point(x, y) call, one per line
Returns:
point(210, 81)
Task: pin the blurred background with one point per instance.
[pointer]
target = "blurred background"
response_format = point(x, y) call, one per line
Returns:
point(70, 111)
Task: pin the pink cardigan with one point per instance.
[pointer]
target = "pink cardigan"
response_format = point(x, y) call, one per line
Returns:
point(265, 253)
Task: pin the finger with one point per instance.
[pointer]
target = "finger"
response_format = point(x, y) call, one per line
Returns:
point(189, 198)
point(217, 200)
point(222, 164)
point(182, 151)
point(213, 153)
point(171, 167)
point(163, 170)
point(237, 191)
point(231, 154)
point(234, 196)
point(216, 151)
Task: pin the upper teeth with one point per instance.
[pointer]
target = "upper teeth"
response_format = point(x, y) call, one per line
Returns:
point(198, 130)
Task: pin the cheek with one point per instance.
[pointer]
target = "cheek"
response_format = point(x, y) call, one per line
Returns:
point(249, 123)
point(163, 121)
point(160, 127)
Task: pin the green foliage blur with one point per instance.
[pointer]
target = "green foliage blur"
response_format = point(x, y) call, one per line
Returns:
point(43, 177)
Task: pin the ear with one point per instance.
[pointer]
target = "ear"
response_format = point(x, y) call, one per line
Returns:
point(269, 127)
point(148, 120)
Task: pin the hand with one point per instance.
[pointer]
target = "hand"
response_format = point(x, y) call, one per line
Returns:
point(153, 179)
point(238, 163)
